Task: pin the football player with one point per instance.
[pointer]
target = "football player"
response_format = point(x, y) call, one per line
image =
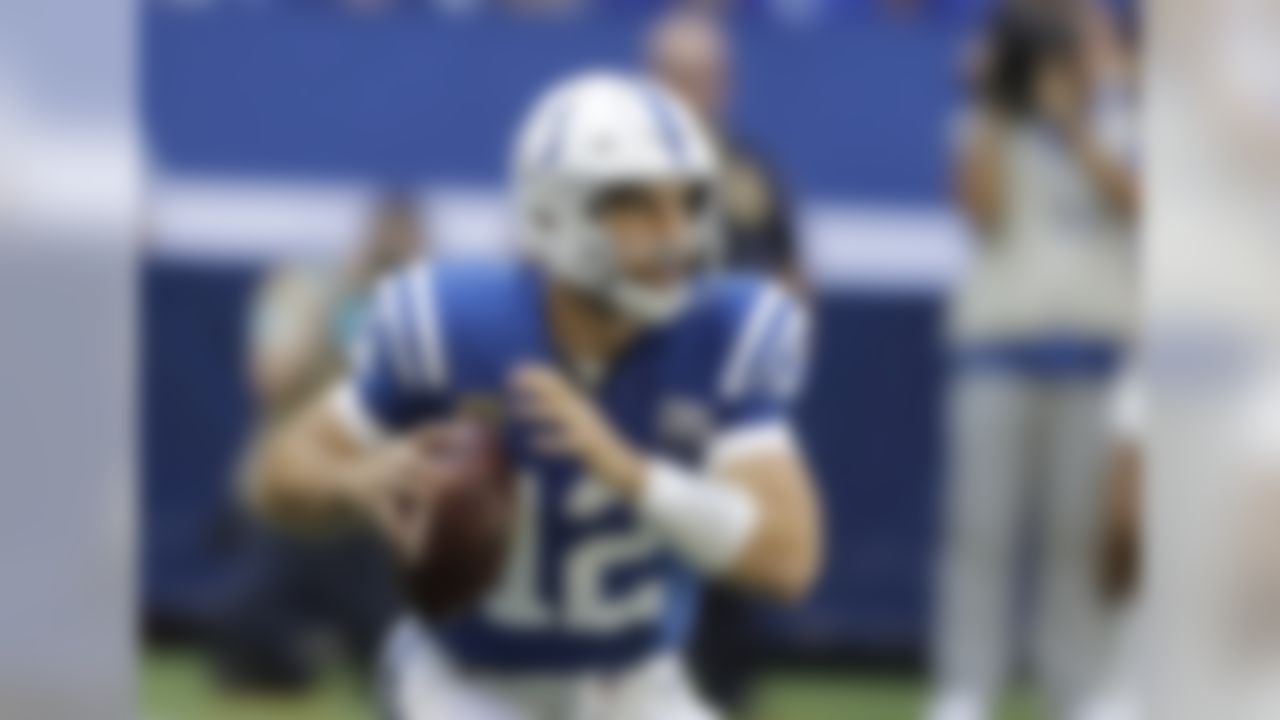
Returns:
point(648, 405)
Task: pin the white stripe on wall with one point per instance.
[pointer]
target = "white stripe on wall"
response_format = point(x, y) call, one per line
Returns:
point(846, 245)
point(892, 248)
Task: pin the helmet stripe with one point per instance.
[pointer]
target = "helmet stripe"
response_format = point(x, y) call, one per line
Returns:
point(664, 118)
point(555, 141)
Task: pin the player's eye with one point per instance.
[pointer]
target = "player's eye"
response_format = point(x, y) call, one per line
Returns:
point(620, 198)
point(697, 198)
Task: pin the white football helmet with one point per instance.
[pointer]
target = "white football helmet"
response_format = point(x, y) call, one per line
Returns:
point(592, 132)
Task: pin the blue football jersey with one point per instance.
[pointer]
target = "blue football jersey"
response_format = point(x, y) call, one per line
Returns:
point(587, 585)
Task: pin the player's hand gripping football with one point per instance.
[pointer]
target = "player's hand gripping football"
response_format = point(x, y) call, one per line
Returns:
point(396, 486)
point(567, 423)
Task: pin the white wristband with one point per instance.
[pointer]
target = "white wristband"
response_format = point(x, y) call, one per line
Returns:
point(709, 521)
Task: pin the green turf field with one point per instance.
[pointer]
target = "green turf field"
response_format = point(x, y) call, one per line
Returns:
point(175, 686)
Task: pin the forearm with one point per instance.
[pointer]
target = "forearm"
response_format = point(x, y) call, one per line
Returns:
point(1114, 180)
point(979, 179)
point(783, 557)
point(1121, 554)
point(303, 472)
point(758, 527)
point(981, 197)
point(750, 517)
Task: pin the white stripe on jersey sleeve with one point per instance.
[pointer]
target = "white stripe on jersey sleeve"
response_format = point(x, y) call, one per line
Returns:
point(733, 382)
point(389, 326)
point(429, 337)
point(789, 378)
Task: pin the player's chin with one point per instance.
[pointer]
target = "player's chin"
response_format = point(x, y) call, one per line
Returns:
point(661, 269)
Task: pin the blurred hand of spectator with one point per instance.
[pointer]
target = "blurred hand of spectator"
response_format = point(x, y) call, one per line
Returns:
point(289, 347)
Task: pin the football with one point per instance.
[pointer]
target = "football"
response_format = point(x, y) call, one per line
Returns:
point(471, 527)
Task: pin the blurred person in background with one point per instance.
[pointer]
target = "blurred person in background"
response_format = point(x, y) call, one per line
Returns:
point(1216, 437)
point(299, 594)
point(305, 316)
point(690, 53)
point(1120, 548)
point(1045, 174)
point(1111, 32)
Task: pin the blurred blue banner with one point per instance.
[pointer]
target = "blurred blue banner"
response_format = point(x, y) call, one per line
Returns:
point(852, 111)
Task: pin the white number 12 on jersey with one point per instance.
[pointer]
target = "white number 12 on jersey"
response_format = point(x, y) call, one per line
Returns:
point(585, 607)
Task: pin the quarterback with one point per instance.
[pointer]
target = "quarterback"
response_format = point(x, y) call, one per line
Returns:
point(648, 403)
